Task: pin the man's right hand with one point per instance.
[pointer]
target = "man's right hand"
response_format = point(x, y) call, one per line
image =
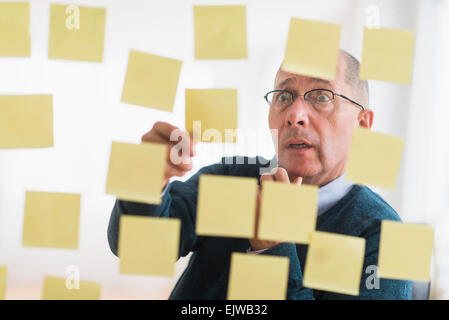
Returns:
point(181, 148)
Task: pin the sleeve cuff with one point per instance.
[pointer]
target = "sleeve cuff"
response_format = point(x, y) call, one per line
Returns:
point(145, 209)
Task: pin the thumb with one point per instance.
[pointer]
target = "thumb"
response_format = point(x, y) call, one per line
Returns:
point(298, 181)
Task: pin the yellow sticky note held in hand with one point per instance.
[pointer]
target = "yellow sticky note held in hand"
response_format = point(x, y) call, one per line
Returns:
point(220, 32)
point(312, 48)
point(374, 158)
point(216, 111)
point(387, 55)
point(76, 33)
point(14, 29)
point(257, 277)
point(288, 212)
point(3, 275)
point(67, 289)
point(334, 263)
point(136, 171)
point(405, 251)
point(148, 245)
point(226, 206)
point(151, 81)
point(51, 220)
point(26, 121)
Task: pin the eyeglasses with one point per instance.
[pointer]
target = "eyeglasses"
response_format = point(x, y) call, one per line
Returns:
point(320, 99)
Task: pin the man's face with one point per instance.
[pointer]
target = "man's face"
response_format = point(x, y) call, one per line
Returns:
point(326, 131)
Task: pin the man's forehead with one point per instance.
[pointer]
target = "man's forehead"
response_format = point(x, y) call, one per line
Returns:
point(284, 78)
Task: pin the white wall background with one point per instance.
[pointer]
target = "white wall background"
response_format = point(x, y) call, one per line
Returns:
point(88, 115)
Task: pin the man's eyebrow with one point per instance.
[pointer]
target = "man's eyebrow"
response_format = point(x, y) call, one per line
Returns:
point(284, 82)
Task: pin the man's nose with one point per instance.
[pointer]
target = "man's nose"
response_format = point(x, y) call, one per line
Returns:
point(298, 113)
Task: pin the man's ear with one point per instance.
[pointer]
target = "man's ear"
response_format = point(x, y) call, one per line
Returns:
point(366, 118)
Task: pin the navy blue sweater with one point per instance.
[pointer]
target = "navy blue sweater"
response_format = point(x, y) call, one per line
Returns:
point(358, 214)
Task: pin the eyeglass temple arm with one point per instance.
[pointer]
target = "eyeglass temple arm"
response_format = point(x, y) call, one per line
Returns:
point(345, 97)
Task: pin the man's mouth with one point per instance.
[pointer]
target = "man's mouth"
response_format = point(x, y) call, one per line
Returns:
point(298, 146)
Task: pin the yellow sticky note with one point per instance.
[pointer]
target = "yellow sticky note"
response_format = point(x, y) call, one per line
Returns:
point(374, 158)
point(220, 32)
point(67, 289)
point(26, 121)
point(334, 262)
point(288, 212)
point(216, 111)
point(387, 55)
point(14, 29)
point(405, 251)
point(151, 81)
point(257, 277)
point(76, 33)
point(51, 220)
point(148, 245)
point(312, 48)
point(136, 171)
point(226, 206)
point(3, 274)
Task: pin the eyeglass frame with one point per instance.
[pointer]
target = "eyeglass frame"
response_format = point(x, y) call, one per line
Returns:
point(294, 95)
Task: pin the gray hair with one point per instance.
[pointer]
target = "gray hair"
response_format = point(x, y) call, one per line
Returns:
point(351, 77)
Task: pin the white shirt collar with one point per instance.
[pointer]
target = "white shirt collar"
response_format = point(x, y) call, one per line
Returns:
point(331, 193)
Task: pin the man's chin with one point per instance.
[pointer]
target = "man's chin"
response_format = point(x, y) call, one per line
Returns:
point(298, 169)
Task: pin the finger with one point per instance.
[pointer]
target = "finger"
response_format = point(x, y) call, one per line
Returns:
point(159, 129)
point(152, 137)
point(171, 171)
point(164, 129)
point(298, 181)
point(266, 177)
point(281, 175)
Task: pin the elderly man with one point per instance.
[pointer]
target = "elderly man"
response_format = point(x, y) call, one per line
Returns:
point(314, 119)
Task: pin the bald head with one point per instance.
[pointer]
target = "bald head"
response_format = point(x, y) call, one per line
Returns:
point(348, 71)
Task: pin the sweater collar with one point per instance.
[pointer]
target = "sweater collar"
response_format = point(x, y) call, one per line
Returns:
point(331, 193)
